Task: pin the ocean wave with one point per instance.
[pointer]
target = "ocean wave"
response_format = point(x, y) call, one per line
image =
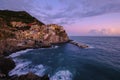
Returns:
point(19, 53)
point(62, 75)
point(24, 66)
point(90, 47)
point(21, 68)
point(13, 55)
point(39, 70)
point(55, 46)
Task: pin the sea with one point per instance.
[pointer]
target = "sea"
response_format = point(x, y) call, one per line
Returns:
point(101, 61)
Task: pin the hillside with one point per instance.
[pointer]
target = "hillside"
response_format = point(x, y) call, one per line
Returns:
point(11, 21)
point(17, 16)
point(19, 30)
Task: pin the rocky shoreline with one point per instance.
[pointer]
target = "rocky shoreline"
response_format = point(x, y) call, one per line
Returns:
point(80, 45)
point(19, 31)
point(7, 64)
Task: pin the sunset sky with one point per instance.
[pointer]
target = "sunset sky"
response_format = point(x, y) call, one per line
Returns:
point(79, 17)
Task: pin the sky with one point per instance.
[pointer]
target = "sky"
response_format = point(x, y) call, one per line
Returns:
point(79, 17)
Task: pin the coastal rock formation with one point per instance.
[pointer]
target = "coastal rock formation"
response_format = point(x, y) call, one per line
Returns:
point(80, 45)
point(9, 46)
point(19, 30)
point(30, 76)
point(6, 64)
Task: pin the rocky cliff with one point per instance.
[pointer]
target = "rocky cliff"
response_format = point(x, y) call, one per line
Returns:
point(19, 30)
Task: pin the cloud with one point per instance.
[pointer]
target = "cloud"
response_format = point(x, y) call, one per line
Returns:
point(14, 5)
point(48, 7)
point(101, 32)
point(87, 8)
point(62, 11)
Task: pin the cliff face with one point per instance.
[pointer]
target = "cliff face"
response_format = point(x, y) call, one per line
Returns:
point(19, 30)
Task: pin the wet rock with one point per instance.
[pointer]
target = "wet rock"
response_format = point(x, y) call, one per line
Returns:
point(6, 64)
point(2, 75)
point(30, 76)
point(78, 44)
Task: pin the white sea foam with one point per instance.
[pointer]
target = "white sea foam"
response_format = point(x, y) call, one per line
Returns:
point(62, 75)
point(23, 67)
point(91, 47)
point(19, 53)
point(54, 47)
point(39, 70)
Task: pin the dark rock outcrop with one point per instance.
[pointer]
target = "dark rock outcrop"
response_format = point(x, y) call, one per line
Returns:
point(7, 17)
point(30, 76)
point(9, 46)
point(6, 64)
point(80, 45)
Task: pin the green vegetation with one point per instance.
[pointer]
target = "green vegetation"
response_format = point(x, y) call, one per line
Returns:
point(17, 16)
point(6, 17)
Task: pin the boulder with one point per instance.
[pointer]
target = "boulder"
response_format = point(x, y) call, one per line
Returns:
point(6, 64)
point(30, 76)
point(80, 45)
